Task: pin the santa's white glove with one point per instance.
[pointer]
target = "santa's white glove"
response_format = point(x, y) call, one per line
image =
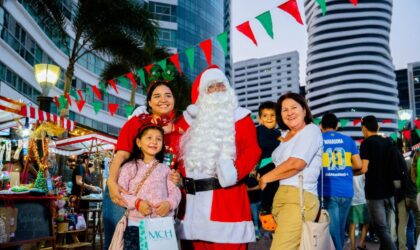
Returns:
point(138, 111)
point(191, 113)
point(226, 173)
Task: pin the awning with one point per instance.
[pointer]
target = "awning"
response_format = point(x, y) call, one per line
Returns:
point(82, 144)
point(17, 110)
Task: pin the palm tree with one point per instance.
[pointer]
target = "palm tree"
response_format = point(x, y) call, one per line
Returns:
point(122, 30)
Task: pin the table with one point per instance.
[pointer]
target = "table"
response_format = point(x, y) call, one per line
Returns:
point(34, 219)
point(96, 216)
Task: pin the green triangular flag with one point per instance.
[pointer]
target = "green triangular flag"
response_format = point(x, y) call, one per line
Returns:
point(162, 64)
point(102, 87)
point(418, 132)
point(394, 136)
point(128, 110)
point(190, 56)
point(343, 122)
point(124, 82)
point(63, 101)
point(401, 124)
point(222, 38)
point(97, 106)
point(317, 121)
point(265, 20)
point(140, 74)
point(73, 93)
point(323, 6)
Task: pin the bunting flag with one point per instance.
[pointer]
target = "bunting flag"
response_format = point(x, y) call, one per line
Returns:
point(112, 107)
point(73, 93)
point(129, 110)
point(190, 56)
point(113, 85)
point(175, 60)
point(97, 106)
point(162, 64)
point(88, 93)
point(68, 98)
point(401, 124)
point(222, 38)
point(323, 6)
point(123, 81)
point(79, 91)
point(356, 121)
point(63, 101)
point(140, 74)
point(407, 134)
point(80, 105)
point(394, 136)
point(343, 122)
point(418, 132)
point(206, 47)
point(354, 2)
point(148, 68)
point(266, 22)
point(130, 76)
point(102, 87)
point(97, 92)
point(417, 123)
point(56, 102)
point(360, 141)
point(317, 121)
point(292, 8)
point(384, 121)
point(245, 29)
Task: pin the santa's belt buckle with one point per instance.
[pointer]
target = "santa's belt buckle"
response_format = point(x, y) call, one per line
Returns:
point(189, 185)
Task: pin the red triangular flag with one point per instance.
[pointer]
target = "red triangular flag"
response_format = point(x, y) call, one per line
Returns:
point(407, 134)
point(386, 121)
point(175, 60)
point(360, 141)
point(68, 98)
point(356, 121)
point(291, 7)
point(56, 102)
point(245, 29)
point(148, 68)
point(354, 2)
point(133, 81)
point(417, 123)
point(80, 105)
point(112, 107)
point(206, 47)
point(79, 91)
point(113, 85)
point(97, 92)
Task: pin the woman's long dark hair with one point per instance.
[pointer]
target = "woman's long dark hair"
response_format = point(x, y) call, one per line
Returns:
point(137, 154)
point(152, 88)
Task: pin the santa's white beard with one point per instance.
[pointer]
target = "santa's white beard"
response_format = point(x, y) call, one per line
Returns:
point(212, 134)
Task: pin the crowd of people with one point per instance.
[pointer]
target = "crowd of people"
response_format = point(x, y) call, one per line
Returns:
point(228, 183)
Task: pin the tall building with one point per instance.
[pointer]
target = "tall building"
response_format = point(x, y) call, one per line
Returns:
point(265, 79)
point(184, 24)
point(413, 77)
point(26, 40)
point(227, 24)
point(349, 65)
point(402, 86)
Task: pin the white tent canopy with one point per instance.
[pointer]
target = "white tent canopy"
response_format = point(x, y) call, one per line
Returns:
point(82, 144)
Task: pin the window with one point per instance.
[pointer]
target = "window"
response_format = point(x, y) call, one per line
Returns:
point(252, 79)
point(289, 78)
point(264, 83)
point(252, 85)
point(264, 64)
point(163, 12)
point(265, 89)
point(279, 67)
point(252, 72)
point(289, 65)
point(289, 72)
point(264, 77)
point(288, 59)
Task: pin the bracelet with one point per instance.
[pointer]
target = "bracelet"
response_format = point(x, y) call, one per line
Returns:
point(137, 204)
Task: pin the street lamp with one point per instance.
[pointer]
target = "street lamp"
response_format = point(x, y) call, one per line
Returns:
point(47, 76)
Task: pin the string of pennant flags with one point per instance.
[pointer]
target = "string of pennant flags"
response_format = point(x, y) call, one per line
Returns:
point(131, 79)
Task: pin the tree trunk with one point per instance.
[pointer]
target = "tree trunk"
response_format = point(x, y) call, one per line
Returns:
point(68, 77)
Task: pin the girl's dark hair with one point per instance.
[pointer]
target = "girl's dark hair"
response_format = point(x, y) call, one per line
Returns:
point(297, 98)
point(137, 154)
point(152, 88)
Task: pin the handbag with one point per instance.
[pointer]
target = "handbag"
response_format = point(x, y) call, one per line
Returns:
point(157, 233)
point(315, 234)
point(117, 242)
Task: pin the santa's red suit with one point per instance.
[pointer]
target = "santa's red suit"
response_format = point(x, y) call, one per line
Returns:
point(220, 218)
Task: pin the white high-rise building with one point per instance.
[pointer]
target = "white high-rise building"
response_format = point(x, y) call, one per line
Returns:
point(265, 79)
point(349, 65)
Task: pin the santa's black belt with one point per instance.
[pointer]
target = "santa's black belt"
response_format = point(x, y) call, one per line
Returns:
point(192, 186)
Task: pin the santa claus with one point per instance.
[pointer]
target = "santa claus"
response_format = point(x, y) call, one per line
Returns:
point(219, 149)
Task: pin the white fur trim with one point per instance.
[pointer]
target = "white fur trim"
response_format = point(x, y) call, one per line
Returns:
point(226, 173)
point(138, 111)
point(241, 113)
point(190, 113)
point(210, 76)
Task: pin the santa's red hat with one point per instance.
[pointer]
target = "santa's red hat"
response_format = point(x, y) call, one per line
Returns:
point(211, 74)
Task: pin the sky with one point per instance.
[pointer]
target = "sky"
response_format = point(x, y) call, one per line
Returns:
point(291, 36)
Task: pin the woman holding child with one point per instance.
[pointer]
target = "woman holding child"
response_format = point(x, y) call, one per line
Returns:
point(300, 153)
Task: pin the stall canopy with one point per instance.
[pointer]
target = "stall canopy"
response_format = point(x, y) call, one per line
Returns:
point(83, 144)
point(15, 110)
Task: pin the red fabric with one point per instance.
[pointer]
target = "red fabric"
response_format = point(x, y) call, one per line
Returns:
point(112, 107)
point(97, 92)
point(196, 84)
point(292, 8)
point(354, 2)
point(79, 91)
point(133, 81)
point(417, 123)
point(407, 134)
point(206, 47)
point(386, 121)
point(148, 68)
point(80, 105)
point(113, 85)
point(204, 245)
point(175, 60)
point(245, 29)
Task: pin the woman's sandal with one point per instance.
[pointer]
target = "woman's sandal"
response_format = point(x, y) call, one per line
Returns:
point(268, 222)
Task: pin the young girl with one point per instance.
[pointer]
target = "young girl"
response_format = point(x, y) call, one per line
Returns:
point(146, 179)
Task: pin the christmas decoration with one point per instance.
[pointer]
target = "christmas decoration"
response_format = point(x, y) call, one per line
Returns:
point(112, 107)
point(96, 106)
point(68, 98)
point(97, 92)
point(206, 47)
point(265, 20)
point(162, 64)
point(222, 38)
point(175, 60)
point(356, 121)
point(113, 85)
point(245, 29)
point(140, 74)
point(148, 68)
point(190, 56)
point(343, 122)
point(291, 7)
point(323, 6)
point(129, 110)
point(80, 105)
point(130, 76)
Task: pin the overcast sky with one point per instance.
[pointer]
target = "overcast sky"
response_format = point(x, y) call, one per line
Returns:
point(289, 35)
